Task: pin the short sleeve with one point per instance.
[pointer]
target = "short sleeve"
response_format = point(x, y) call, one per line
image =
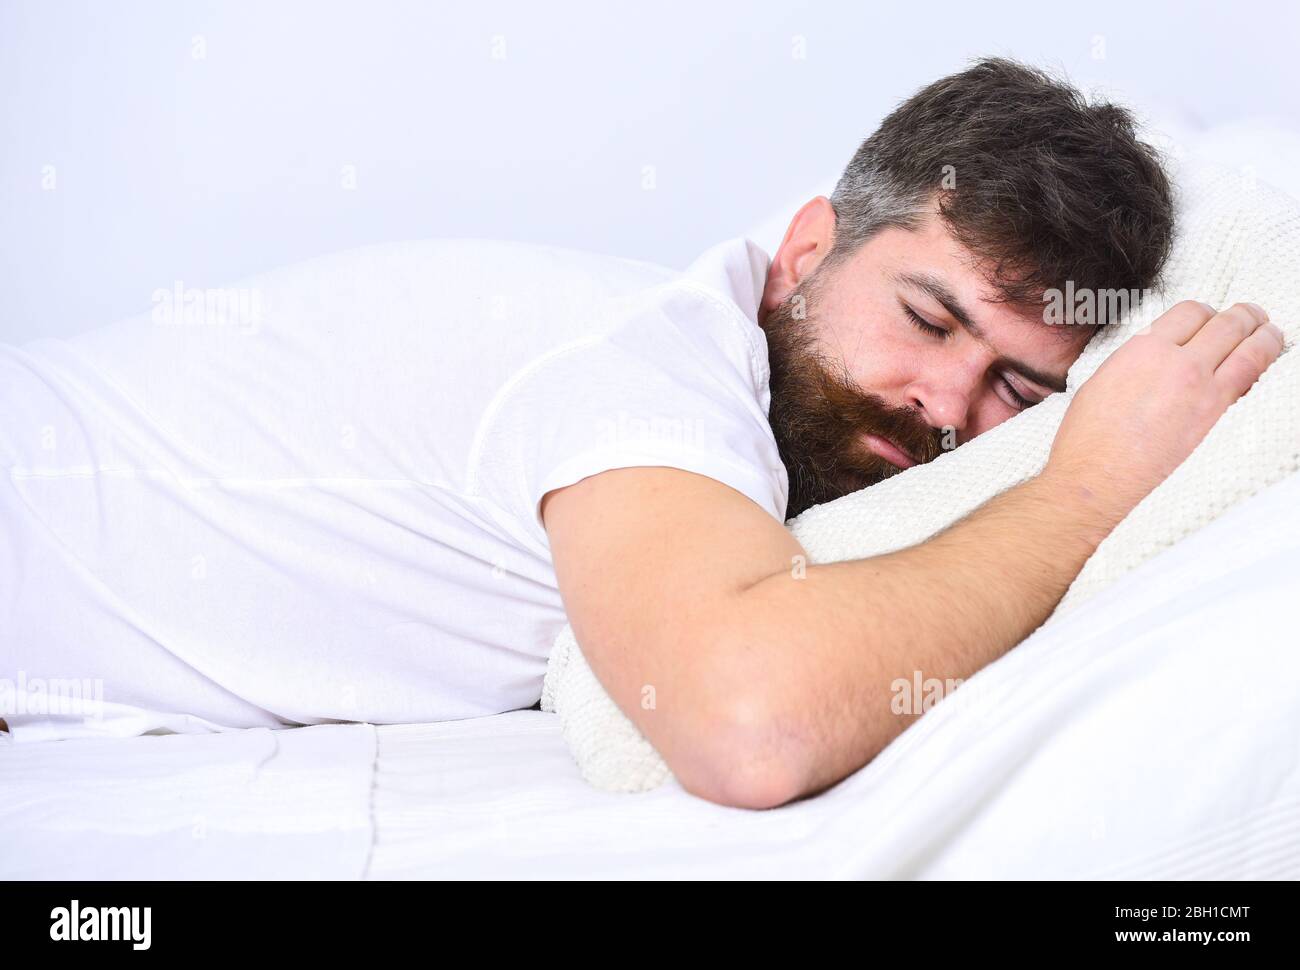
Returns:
point(680, 382)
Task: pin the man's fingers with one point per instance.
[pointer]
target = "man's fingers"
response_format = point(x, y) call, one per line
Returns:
point(1221, 335)
point(1250, 358)
point(1182, 320)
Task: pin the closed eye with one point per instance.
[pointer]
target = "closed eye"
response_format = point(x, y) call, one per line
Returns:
point(1018, 400)
point(921, 324)
point(1022, 402)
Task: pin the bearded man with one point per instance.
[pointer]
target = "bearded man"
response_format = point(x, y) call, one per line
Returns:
point(382, 499)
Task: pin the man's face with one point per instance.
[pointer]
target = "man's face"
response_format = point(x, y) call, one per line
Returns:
point(856, 378)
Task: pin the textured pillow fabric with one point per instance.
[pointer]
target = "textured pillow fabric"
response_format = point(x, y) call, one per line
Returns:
point(1238, 240)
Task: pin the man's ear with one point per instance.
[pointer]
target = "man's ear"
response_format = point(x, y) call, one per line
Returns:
point(807, 241)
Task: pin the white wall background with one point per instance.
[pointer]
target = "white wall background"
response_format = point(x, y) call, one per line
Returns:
point(147, 142)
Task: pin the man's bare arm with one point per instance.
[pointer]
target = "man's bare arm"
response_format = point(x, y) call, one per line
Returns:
point(763, 687)
point(758, 687)
point(837, 639)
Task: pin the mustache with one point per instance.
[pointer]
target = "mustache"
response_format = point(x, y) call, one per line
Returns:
point(858, 412)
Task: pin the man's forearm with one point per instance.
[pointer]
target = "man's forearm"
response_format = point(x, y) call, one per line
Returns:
point(831, 643)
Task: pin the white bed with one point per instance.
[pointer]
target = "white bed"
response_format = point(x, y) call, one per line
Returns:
point(1155, 732)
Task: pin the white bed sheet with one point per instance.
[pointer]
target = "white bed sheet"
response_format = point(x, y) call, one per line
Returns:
point(244, 804)
point(1154, 732)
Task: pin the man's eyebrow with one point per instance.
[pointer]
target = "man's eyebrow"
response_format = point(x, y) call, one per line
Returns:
point(936, 288)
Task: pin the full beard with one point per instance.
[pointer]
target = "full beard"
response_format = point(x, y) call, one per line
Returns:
point(818, 414)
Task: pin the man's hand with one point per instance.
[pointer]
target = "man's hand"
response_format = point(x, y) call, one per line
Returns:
point(1152, 401)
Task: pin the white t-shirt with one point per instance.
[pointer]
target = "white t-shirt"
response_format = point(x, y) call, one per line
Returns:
point(320, 502)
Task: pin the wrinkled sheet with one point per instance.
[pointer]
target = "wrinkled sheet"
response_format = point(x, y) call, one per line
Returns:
point(246, 804)
point(1153, 733)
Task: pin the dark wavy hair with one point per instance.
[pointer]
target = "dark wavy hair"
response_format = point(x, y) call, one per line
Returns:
point(1040, 185)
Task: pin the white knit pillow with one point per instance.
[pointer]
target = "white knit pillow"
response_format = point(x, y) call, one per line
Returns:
point(1237, 240)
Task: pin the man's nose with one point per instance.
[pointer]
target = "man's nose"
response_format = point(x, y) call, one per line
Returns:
point(943, 405)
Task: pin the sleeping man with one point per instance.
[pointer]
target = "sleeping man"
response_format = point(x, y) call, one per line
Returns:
point(374, 486)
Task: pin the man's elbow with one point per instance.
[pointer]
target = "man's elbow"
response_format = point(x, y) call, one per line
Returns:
point(745, 757)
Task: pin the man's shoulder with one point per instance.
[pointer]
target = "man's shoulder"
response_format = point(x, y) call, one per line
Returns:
point(673, 374)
